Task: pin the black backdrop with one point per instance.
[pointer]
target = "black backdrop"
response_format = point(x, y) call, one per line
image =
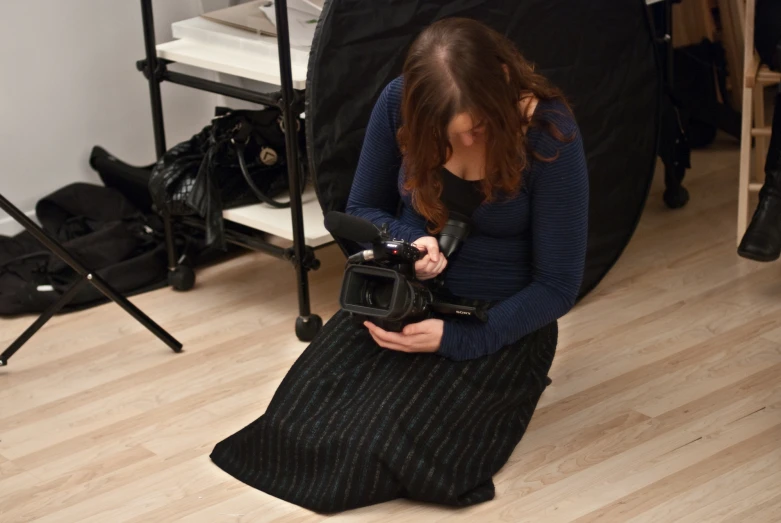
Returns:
point(600, 52)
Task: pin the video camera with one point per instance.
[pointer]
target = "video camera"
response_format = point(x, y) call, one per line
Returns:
point(380, 284)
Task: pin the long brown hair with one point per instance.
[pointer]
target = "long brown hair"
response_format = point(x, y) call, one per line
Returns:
point(460, 65)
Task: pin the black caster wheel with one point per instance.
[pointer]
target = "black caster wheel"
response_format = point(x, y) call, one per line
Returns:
point(182, 278)
point(676, 198)
point(308, 327)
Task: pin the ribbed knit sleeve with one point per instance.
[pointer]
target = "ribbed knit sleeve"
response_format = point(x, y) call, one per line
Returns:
point(559, 217)
point(374, 195)
point(557, 235)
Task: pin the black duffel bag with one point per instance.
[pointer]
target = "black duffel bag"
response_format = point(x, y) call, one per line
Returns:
point(239, 159)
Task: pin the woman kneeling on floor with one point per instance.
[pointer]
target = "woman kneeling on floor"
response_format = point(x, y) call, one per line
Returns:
point(433, 412)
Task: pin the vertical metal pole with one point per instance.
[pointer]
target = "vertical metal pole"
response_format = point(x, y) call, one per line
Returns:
point(668, 37)
point(147, 18)
point(148, 21)
point(291, 143)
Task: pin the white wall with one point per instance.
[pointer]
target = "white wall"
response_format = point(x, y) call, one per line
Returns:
point(68, 82)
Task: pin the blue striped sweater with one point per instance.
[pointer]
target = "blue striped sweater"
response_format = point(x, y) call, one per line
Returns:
point(526, 253)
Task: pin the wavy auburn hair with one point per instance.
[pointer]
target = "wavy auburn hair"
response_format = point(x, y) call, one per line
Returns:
point(459, 65)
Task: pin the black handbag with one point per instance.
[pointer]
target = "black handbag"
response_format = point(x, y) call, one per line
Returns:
point(238, 159)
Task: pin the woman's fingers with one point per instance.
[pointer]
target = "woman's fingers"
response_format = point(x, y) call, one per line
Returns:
point(432, 245)
point(426, 268)
point(429, 245)
point(422, 263)
point(412, 339)
point(392, 340)
point(432, 269)
point(406, 347)
point(389, 337)
point(390, 346)
point(440, 265)
point(433, 262)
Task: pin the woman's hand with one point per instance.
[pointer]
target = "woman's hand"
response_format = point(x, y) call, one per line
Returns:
point(433, 262)
point(424, 336)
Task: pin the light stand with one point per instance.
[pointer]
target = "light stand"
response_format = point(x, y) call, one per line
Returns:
point(86, 277)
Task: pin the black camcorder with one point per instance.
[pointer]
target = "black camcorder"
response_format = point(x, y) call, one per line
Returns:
point(379, 283)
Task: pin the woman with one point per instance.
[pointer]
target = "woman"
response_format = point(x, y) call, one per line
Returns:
point(433, 412)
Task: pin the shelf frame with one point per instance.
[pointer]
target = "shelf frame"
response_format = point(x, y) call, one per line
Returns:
point(291, 103)
point(202, 84)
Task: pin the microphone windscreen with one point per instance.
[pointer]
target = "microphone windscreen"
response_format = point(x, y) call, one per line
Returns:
point(457, 217)
point(351, 227)
point(455, 231)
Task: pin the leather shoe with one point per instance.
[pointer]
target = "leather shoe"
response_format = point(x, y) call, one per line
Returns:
point(762, 241)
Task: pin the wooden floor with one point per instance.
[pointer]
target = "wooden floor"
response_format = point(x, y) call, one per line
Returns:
point(665, 404)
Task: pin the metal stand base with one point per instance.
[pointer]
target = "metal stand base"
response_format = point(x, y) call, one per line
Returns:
point(86, 277)
point(674, 147)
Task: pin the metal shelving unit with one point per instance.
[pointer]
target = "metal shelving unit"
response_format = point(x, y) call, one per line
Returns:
point(258, 217)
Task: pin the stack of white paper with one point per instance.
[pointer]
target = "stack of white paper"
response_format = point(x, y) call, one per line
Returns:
point(302, 19)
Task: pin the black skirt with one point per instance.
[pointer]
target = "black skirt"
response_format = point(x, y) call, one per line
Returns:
point(353, 424)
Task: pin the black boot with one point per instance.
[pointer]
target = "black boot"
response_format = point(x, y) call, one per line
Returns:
point(762, 241)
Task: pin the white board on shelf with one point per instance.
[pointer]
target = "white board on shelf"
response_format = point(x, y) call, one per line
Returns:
point(211, 33)
point(244, 64)
point(279, 222)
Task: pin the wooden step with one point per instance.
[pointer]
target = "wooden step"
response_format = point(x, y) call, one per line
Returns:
point(767, 77)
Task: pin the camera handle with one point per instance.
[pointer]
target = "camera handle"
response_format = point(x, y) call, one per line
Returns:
point(460, 310)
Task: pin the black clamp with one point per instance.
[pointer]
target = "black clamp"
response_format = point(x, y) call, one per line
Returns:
point(298, 103)
point(158, 74)
point(310, 261)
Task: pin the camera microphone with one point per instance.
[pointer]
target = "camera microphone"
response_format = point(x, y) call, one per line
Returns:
point(455, 231)
point(362, 256)
point(351, 227)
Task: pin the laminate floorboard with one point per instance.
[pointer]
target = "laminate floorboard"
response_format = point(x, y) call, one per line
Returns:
point(665, 403)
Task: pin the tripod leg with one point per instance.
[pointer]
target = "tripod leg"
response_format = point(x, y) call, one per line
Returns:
point(53, 245)
point(41, 321)
point(134, 311)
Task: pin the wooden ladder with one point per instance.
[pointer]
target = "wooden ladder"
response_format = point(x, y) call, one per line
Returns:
point(756, 77)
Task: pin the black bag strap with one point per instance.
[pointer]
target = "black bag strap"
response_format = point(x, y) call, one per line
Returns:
point(261, 196)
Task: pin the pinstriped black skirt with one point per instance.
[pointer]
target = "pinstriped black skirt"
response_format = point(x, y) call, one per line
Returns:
point(353, 424)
